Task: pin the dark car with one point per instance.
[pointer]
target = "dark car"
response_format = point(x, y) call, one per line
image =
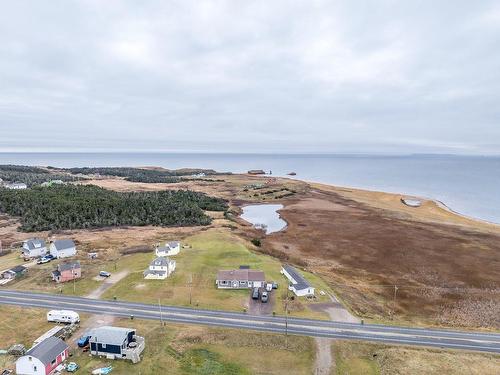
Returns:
point(255, 293)
point(275, 285)
point(83, 341)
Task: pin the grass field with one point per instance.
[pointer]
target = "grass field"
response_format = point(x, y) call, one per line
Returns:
point(177, 349)
point(373, 359)
point(209, 251)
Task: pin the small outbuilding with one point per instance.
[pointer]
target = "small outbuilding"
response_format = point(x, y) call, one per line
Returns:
point(67, 272)
point(62, 248)
point(43, 358)
point(170, 249)
point(34, 247)
point(14, 272)
point(298, 284)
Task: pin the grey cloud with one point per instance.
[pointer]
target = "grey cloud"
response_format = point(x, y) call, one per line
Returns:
point(305, 76)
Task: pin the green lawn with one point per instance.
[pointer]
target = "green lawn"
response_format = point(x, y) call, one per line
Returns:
point(209, 252)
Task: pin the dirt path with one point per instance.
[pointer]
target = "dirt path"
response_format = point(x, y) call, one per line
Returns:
point(108, 283)
point(98, 320)
point(324, 363)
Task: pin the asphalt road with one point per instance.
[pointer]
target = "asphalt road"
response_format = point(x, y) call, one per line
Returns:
point(474, 341)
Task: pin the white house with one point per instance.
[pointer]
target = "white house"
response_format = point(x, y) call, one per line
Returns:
point(43, 358)
point(34, 248)
point(170, 249)
point(298, 284)
point(62, 248)
point(240, 279)
point(16, 186)
point(160, 268)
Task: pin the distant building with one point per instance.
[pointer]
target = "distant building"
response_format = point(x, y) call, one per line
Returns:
point(43, 358)
point(256, 171)
point(34, 248)
point(62, 248)
point(170, 249)
point(240, 279)
point(160, 268)
point(67, 272)
point(116, 343)
point(298, 284)
point(14, 272)
point(52, 182)
point(16, 185)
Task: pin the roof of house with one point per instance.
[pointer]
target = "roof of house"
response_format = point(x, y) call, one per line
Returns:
point(35, 243)
point(173, 243)
point(300, 282)
point(68, 266)
point(110, 335)
point(160, 261)
point(48, 349)
point(18, 269)
point(242, 274)
point(63, 244)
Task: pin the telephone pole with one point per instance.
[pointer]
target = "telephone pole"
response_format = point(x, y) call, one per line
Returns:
point(161, 314)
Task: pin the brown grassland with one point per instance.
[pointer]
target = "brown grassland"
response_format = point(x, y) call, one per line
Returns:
point(356, 243)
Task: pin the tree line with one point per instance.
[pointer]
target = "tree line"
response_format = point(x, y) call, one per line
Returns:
point(141, 174)
point(88, 206)
point(31, 176)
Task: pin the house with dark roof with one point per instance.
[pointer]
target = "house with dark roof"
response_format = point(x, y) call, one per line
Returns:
point(43, 358)
point(34, 247)
point(170, 249)
point(116, 343)
point(14, 272)
point(298, 284)
point(240, 279)
point(160, 268)
point(67, 272)
point(62, 248)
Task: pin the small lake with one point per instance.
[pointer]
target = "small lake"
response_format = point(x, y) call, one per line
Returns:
point(265, 216)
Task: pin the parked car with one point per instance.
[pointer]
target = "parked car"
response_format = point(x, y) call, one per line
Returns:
point(269, 287)
point(83, 341)
point(275, 285)
point(43, 260)
point(104, 274)
point(265, 297)
point(72, 367)
point(255, 293)
point(50, 256)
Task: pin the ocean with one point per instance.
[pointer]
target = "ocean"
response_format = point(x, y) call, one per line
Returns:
point(468, 185)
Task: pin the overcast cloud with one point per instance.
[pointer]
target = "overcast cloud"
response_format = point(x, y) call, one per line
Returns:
point(279, 76)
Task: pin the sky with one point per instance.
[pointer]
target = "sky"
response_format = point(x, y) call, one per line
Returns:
point(250, 76)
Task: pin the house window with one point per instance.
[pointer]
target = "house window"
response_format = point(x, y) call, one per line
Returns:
point(34, 368)
point(54, 361)
point(103, 346)
point(30, 358)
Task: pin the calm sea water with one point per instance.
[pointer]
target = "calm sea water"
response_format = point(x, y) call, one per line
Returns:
point(469, 185)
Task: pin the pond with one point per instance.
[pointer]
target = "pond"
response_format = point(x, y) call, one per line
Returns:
point(264, 216)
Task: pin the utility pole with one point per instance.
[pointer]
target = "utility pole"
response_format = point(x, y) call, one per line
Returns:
point(190, 287)
point(394, 301)
point(286, 319)
point(161, 314)
point(74, 279)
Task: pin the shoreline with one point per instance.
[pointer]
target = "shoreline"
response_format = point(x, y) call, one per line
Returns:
point(441, 205)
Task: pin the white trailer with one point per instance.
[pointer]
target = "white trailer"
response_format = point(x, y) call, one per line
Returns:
point(63, 316)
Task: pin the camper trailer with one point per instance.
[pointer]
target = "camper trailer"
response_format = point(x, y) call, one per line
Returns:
point(63, 316)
